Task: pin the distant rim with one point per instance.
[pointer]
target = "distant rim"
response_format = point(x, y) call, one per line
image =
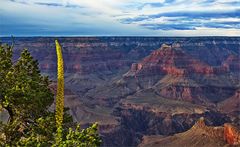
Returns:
point(75, 36)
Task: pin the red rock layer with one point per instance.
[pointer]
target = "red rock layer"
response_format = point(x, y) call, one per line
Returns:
point(231, 104)
point(232, 63)
point(199, 135)
point(173, 60)
point(231, 134)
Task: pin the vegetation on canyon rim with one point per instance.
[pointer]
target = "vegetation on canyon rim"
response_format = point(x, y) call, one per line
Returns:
point(26, 96)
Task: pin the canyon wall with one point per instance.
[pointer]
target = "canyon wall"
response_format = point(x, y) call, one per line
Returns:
point(138, 86)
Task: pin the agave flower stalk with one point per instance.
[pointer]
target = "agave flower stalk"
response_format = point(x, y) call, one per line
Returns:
point(60, 91)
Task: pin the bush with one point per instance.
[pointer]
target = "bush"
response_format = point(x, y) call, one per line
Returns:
point(26, 96)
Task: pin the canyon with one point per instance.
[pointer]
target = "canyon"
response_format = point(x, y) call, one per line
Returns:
point(148, 91)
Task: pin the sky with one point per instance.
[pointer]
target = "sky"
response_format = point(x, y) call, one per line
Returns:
point(120, 17)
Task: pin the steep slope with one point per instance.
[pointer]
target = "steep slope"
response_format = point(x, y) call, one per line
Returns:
point(170, 60)
point(232, 63)
point(172, 74)
point(83, 113)
point(133, 88)
point(231, 104)
point(199, 135)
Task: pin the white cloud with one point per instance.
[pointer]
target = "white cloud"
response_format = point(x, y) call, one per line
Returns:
point(104, 15)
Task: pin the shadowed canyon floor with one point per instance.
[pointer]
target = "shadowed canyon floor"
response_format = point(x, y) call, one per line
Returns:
point(147, 91)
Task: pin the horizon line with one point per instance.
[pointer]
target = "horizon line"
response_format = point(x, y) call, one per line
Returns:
point(73, 36)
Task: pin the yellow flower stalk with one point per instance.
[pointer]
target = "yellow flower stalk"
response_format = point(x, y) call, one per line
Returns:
point(60, 91)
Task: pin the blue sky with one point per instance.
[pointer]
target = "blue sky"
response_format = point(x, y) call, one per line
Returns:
point(120, 17)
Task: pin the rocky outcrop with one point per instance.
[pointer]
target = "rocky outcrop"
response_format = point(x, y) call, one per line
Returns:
point(232, 134)
point(133, 88)
point(155, 122)
point(172, 60)
point(175, 74)
point(232, 63)
point(199, 135)
point(232, 104)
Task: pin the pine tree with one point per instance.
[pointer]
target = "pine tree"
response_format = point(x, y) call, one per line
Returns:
point(26, 96)
point(24, 92)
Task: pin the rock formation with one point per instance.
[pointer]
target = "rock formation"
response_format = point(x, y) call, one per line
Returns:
point(138, 86)
point(199, 135)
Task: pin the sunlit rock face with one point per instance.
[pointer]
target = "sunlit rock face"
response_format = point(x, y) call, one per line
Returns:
point(199, 135)
point(176, 74)
point(172, 60)
point(138, 86)
point(232, 134)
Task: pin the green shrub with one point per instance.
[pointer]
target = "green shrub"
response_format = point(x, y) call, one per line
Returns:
point(26, 96)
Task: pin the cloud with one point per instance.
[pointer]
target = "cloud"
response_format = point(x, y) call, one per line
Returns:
point(230, 2)
point(73, 6)
point(226, 25)
point(156, 4)
point(191, 26)
point(129, 17)
point(59, 5)
point(185, 20)
point(169, 26)
point(49, 4)
point(187, 14)
point(19, 1)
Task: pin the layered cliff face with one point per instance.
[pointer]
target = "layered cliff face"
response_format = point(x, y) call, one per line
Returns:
point(172, 73)
point(232, 104)
point(232, 63)
point(89, 62)
point(199, 135)
point(137, 86)
point(171, 59)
